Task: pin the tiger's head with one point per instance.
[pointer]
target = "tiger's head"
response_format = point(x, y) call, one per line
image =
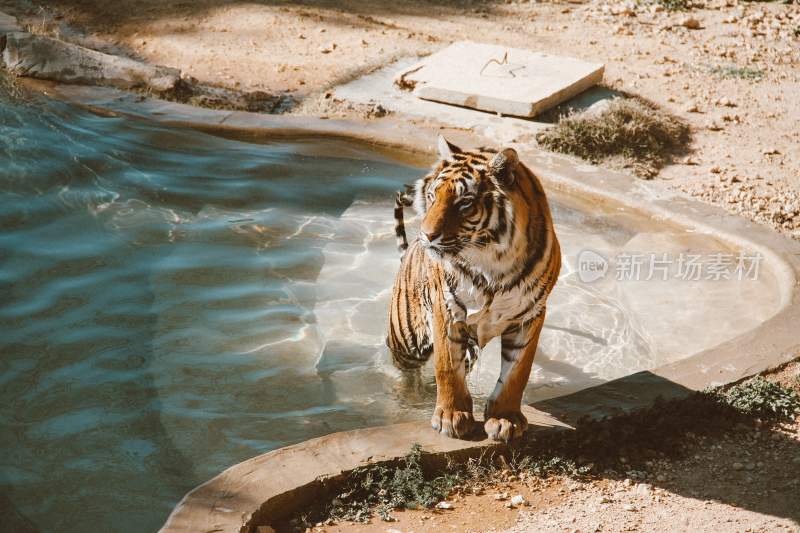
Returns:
point(463, 201)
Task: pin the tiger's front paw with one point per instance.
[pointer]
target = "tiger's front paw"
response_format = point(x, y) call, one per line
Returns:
point(505, 427)
point(455, 424)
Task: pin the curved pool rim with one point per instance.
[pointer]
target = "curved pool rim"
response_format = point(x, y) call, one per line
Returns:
point(272, 485)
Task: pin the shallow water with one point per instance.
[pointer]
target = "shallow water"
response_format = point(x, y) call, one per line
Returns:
point(174, 302)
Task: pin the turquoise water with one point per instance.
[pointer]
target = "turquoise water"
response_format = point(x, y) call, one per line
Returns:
point(148, 277)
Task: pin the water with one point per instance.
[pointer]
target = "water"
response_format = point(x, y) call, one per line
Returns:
point(173, 302)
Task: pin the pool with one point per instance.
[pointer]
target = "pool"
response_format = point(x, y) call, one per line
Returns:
point(175, 301)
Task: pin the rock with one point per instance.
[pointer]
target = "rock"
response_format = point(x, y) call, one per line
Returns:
point(690, 23)
point(43, 57)
point(518, 500)
point(502, 496)
point(628, 507)
point(8, 24)
point(643, 489)
point(770, 151)
point(692, 107)
point(327, 49)
point(715, 169)
point(737, 466)
point(444, 505)
point(378, 111)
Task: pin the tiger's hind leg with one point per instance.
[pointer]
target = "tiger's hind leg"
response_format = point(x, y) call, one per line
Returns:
point(503, 414)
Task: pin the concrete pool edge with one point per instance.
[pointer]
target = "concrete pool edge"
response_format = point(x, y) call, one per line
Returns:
point(250, 492)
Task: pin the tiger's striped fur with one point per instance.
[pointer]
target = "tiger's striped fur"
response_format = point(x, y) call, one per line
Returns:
point(482, 266)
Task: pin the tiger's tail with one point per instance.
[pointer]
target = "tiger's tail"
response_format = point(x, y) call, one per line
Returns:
point(402, 199)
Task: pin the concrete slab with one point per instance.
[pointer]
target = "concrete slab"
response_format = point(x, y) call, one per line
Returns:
point(510, 81)
point(379, 88)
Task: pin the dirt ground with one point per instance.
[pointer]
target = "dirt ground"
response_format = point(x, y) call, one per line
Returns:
point(731, 69)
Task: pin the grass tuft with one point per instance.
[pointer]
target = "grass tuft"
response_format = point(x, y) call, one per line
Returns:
point(675, 5)
point(8, 85)
point(628, 133)
point(740, 73)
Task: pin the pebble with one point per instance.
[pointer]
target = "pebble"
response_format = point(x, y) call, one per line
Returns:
point(738, 466)
point(628, 507)
point(444, 505)
point(502, 496)
point(518, 500)
point(690, 23)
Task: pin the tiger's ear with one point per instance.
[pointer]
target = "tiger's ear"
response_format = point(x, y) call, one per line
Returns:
point(447, 149)
point(503, 165)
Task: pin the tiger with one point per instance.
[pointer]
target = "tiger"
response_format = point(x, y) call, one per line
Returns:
point(482, 265)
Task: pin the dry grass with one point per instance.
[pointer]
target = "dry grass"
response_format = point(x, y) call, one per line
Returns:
point(629, 133)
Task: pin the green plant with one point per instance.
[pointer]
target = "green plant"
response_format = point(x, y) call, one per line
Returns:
point(385, 488)
point(764, 399)
point(546, 466)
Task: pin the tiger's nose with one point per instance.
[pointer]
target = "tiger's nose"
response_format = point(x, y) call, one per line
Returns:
point(432, 235)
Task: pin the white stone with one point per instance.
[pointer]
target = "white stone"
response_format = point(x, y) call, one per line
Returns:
point(444, 505)
point(518, 500)
point(509, 81)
